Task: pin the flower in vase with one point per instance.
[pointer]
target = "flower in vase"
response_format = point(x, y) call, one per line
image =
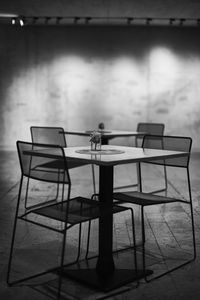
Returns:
point(95, 138)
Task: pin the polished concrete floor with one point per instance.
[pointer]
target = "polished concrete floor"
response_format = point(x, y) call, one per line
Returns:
point(167, 227)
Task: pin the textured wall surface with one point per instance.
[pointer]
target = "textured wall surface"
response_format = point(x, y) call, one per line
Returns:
point(76, 77)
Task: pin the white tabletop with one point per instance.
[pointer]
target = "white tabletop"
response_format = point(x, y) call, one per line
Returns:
point(106, 133)
point(128, 155)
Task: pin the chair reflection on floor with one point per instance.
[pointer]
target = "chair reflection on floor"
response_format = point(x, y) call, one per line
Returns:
point(66, 213)
point(150, 199)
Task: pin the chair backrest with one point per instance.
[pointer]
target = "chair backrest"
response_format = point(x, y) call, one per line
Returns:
point(43, 162)
point(48, 135)
point(172, 143)
point(148, 128)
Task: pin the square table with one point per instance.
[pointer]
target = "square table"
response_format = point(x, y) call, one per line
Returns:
point(104, 275)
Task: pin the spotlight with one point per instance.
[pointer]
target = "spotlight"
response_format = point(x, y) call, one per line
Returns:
point(58, 19)
point(76, 19)
point(148, 21)
point(171, 21)
point(21, 21)
point(87, 20)
point(129, 20)
point(182, 21)
point(47, 19)
point(13, 21)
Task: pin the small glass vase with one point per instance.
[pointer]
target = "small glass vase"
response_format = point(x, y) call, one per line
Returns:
point(96, 146)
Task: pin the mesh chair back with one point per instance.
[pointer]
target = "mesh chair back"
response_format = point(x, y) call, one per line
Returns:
point(48, 135)
point(149, 128)
point(173, 143)
point(33, 158)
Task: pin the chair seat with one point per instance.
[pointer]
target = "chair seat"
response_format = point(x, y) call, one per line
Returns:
point(144, 199)
point(80, 210)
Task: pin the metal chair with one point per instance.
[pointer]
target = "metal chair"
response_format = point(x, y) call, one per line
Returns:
point(175, 143)
point(148, 128)
point(66, 212)
point(53, 136)
point(153, 129)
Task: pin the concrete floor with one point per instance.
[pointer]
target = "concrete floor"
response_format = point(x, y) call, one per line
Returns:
point(37, 249)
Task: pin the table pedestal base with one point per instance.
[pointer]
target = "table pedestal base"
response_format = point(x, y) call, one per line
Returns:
point(85, 272)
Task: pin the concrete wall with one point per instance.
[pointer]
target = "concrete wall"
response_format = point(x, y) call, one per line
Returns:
point(76, 77)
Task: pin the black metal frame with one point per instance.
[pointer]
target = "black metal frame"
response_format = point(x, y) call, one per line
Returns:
point(119, 197)
point(63, 144)
point(66, 222)
point(137, 166)
point(101, 272)
point(94, 198)
point(32, 209)
point(42, 225)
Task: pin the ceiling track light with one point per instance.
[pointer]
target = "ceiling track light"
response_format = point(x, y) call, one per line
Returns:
point(47, 19)
point(21, 21)
point(13, 21)
point(129, 21)
point(76, 19)
point(67, 20)
point(171, 21)
point(58, 20)
point(87, 20)
point(182, 21)
point(148, 21)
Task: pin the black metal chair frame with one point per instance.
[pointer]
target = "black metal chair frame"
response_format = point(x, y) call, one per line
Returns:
point(144, 127)
point(62, 142)
point(147, 199)
point(93, 211)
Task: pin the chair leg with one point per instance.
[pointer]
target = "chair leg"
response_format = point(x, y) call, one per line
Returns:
point(134, 245)
point(165, 175)
point(143, 242)
point(61, 264)
point(193, 234)
point(164, 189)
point(93, 178)
point(14, 232)
point(131, 247)
point(139, 180)
point(63, 243)
point(88, 240)
point(12, 247)
point(180, 265)
point(57, 191)
point(79, 242)
point(26, 195)
point(192, 215)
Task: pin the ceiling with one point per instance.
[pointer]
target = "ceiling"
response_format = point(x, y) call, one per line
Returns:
point(104, 8)
point(101, 12)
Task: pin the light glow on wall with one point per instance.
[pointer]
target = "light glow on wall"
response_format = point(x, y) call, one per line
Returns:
point(164, 69)
point(84, 84)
